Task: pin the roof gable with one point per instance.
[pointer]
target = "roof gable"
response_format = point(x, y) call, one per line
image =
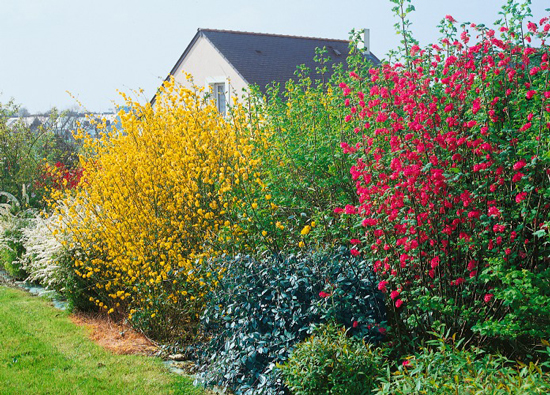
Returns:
point(265, 58)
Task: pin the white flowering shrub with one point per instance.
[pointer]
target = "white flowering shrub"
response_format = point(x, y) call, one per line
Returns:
point(43, 251)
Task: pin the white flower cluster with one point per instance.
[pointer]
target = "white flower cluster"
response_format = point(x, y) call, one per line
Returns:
point(43, 251)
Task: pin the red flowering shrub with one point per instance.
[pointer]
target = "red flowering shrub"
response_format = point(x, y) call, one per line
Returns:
point(453, 177)
point(59, 177)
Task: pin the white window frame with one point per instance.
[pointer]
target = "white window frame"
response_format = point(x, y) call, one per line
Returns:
point(211, 84)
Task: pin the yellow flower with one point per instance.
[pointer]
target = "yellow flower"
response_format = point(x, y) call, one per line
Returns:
point(301, 244)
point(306, 230)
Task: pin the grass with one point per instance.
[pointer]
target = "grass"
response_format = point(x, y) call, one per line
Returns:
point(43, 352)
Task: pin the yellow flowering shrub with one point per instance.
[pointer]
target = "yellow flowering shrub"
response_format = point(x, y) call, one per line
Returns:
point(168, 186)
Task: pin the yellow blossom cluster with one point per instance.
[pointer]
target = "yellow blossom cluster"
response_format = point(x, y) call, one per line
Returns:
point(160, 192)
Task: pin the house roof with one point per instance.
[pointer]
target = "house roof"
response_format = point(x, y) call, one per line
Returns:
point(263, 58)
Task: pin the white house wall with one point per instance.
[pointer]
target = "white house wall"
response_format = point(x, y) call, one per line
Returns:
point(208, 66)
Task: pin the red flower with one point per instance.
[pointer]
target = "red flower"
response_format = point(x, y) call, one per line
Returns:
point(525, 127)
point(517, 177)
point(323, 294)
point(382, 330)
point(369, 222)
point(474, 214)
point(521, 197)
point(487, 298)
point(494, 212)
point(498, 228)
point(355, 324)
point(450, 18)
point(354, 252)
point(520, 164)
point(381, 117)
point(398, 303)
point(382, 286)
point(406, 362)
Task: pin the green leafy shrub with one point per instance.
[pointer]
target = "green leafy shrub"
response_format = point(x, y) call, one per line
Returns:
point(79, 292)
point(8, 256)
point(262, 307)
point(304, 129)
point(12, 222)
point(331, 362)
point(525, 297)
point(303, 125)
point(445, 367)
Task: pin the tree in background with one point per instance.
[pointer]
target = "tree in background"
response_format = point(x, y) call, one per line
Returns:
point(28, 151)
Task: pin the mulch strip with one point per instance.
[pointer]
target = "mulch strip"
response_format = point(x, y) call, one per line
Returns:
point(117, 337)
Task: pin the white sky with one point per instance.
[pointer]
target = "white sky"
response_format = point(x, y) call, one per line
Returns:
point(91, 48)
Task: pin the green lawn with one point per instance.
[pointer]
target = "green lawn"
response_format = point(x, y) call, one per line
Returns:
point(42, 352)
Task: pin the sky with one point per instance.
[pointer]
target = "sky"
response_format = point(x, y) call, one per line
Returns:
point(93, 49)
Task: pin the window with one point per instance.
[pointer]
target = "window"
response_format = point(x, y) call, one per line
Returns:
point(220, 93)
point(219, 88)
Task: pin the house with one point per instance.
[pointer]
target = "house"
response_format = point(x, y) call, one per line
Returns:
point(229, 61)
point(62, 124)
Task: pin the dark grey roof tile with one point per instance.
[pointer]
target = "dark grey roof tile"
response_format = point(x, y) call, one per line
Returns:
point(264, 58)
